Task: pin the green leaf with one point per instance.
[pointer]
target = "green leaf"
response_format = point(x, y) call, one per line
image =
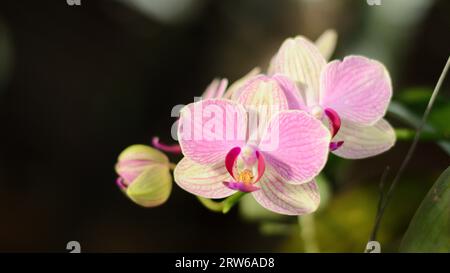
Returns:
point(405, 115)
point(429, 230)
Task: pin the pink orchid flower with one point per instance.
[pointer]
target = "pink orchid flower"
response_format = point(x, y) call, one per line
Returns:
point(276, 161)
point(352, 95)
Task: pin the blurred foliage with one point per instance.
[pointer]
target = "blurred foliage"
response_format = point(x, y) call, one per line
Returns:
point(429, 230)
point(411, 104)
point(344, 223)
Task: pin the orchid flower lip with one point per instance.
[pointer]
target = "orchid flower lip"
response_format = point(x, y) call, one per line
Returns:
point(176, 149)
point(230, 160)
point(243, 187)
point(336, 145)
point(244, 180)
point(334, 119)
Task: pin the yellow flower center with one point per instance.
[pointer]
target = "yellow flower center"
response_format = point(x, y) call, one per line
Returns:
point(246, 176)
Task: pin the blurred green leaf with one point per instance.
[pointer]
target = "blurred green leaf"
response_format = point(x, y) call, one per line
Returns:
point(429, 230)
point(403, 114)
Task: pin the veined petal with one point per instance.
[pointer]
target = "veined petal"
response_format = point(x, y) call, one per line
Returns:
point(364, 141)
point(152, 187)
point(300, 60)
point(358, 89)
point(233, 91)
point(326, 43)
point(296, 146)
point(292, 91)
point(203, 180)
point(208, 129)
point(263, 97)
point(284, 198)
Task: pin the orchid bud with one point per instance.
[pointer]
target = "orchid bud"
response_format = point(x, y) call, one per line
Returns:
point(144, 175)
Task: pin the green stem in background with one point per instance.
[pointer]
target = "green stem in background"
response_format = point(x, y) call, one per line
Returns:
point(172, 166)
point(408, 134)
point(308, 233)
point(387, 197)
point(222, 206)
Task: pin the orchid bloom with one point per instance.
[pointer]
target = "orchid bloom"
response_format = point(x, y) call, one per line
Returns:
point(352, 95)
point(276, 161)
point(144, 175)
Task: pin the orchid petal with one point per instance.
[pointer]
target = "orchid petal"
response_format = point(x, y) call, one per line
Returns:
point(300, 60)
point(296, 145)
point(292, 91)
point(357, 88)
point(202, 180)
point(208, 129)
point(284, 198)
point(262, 97)
point(364, 141)
point(233, 91)
point(326, 43)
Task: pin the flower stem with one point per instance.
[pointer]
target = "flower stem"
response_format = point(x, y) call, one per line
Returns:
point(172, 166)
point(308, 233)
point(387, 197)
point(222, 206)
point(210, 204)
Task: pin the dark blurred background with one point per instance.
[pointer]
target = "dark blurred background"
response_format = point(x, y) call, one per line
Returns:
point(78, 84)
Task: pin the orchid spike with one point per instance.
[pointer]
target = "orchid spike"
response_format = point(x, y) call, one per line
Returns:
point(144, 175)
point(352, 95)
point(224, 153)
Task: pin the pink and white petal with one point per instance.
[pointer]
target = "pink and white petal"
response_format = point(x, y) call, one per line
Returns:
point(292, 91)
point(215, 89)
point(300, 60)
point(278, 196)
point(296, 145)
point(326, 43)
point(358, 88)
point(208, 129)
point(233, 91)
point(203, 180)
point(262, 97)
point(364, 141)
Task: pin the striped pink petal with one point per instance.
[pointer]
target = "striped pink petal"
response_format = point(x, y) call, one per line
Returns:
point(292, 91)
point(300, 60)
point(208, 129)
point(203, 180)
point(280, 197)
point(263, 97)
point(357, 88)
point(364, 141)
point(296, 146)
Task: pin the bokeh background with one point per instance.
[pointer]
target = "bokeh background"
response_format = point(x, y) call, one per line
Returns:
point(78, 84)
